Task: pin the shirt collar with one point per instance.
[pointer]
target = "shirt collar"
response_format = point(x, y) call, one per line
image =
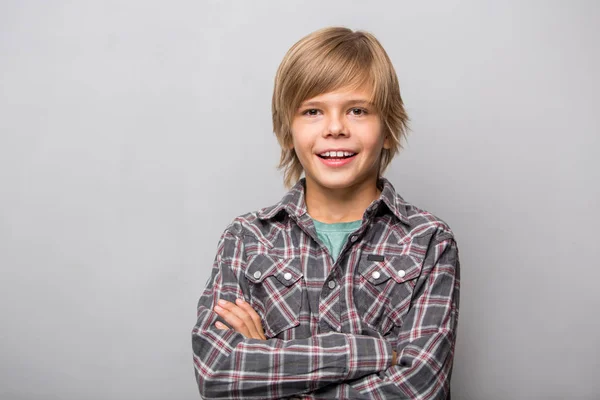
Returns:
point(293, 202)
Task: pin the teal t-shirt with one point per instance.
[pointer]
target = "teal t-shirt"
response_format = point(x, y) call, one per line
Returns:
point(334, 236)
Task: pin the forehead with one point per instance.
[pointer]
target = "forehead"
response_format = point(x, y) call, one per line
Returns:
point(342, 95)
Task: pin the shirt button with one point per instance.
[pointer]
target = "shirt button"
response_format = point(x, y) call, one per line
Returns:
point(287, 276)
point(376, 275)
point(353, 238)
point(257, 275)
point(331, 284)
point(401, 273)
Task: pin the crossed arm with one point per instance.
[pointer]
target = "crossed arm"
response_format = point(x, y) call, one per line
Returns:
point(242, 317)
point(237, 361)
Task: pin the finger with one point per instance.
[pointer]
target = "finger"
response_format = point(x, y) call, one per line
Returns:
point(236, 323)
point(253, 315)
point(240, 320)
point(244, 316)
point(221, 326)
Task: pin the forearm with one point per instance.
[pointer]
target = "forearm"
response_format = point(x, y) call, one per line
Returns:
point(230, 366)
point(423, 371)
point(420, 372)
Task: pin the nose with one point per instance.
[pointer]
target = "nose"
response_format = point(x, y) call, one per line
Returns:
point(336, 126)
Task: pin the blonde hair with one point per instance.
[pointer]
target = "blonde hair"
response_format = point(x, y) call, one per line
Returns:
point(327, 60)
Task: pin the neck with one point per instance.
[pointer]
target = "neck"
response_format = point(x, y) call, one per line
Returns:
point(340, 205)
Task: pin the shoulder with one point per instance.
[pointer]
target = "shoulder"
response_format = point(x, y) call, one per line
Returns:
point(420, 225)
point(258, 227)
point(427, 239)
point(419, 217)
point(411, 222)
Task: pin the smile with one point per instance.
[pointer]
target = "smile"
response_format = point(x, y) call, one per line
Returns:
point(336, 159)
point(336, 154)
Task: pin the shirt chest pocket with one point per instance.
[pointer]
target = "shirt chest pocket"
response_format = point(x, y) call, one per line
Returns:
point(275, 291)
point(385, 289)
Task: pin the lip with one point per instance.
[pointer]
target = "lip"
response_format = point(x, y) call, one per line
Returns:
point(326, 150)
point(336, 162)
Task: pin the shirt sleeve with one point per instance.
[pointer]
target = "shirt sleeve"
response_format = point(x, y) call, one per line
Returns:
point(426, 340)
point(230, 366)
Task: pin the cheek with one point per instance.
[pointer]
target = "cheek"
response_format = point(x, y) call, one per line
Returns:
point(374, 142)
point(300, 146)
point(302, 139)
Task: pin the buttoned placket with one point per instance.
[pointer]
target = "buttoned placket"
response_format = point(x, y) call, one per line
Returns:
point(331, 286)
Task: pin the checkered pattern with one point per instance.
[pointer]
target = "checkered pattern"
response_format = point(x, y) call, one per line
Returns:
point(332, 326)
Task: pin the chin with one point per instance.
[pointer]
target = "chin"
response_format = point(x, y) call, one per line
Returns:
point(336, 183)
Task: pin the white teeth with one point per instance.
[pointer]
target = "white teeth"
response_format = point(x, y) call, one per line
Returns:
point(337, 154)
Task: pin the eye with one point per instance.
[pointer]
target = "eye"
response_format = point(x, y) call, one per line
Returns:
point(358, 111)
point(311, 112)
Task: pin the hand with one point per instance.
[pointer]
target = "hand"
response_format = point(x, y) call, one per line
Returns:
point(241, 317)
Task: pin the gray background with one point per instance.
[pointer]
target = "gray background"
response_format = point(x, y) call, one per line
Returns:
point(131, 133)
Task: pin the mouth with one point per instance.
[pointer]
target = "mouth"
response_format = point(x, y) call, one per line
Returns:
point(337, 158)
point(336, 155)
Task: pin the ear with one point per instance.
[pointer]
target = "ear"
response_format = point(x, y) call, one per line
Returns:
point(387, 142)
point(290, 140)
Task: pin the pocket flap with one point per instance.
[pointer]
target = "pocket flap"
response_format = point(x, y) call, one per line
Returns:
point(262, 266)
point(378, 268)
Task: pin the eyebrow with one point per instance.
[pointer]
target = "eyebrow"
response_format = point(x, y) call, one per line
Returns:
point(353, 101)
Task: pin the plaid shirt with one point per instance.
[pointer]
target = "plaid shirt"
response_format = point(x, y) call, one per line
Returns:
point(331, 326)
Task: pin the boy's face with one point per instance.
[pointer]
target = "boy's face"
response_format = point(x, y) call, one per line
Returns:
point(340, 121)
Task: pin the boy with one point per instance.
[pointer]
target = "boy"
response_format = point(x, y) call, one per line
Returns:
point(342, 290)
